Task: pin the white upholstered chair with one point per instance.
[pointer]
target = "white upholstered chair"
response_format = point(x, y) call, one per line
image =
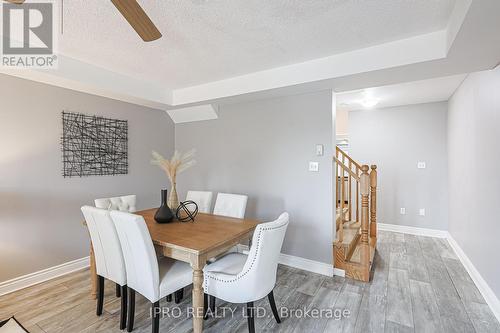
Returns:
point(152, 278)
point(126, 203)
point(202, 198)
point(232, 205)
point(108, 256)
point(239, 278)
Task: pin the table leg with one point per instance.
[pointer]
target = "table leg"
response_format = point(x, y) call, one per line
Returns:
point(197, 297)
point(93, 274)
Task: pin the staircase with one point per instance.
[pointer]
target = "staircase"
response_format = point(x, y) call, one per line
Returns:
point(356, 216)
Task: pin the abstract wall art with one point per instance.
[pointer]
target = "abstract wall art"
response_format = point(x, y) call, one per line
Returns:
point(93, 145)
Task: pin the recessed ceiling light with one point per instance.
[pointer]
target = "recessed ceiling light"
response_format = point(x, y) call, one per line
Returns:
point(369, 103)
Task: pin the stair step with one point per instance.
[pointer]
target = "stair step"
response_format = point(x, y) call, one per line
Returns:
point(338, 216)
point(351, 231)
point(356, 254)
point(351, 237)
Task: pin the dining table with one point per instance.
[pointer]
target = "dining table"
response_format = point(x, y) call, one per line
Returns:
point(193, 242)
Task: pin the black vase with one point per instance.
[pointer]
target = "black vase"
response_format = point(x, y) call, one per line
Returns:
point(164, 214)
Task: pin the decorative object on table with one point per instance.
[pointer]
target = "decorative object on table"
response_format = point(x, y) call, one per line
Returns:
point(177, 164)
point(164, 213)
point(12, 325)
point(187, 211)
point(93, 146)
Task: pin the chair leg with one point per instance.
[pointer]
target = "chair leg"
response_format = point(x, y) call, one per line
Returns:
point(155, 317)
point(212, 304)
point(250, 317)
point(118, 290)
point(123, 313)
point(205, 306)
point(273, 307)
point(178, 296)
point(169, 298)
point(131, 309)
point(100, 294)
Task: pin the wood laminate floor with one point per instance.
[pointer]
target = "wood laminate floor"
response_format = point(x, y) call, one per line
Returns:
point(418, 285)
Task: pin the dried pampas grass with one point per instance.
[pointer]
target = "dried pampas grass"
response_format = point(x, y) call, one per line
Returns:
point(177, 164)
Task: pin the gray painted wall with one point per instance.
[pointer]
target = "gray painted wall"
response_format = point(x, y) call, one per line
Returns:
point(396, 139)
point(262, 149)
point(40, 218)
point(474, 184)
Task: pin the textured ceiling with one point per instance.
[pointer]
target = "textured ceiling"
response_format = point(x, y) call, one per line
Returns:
point(210, 40)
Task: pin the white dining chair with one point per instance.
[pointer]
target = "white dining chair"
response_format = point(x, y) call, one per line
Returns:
point(152, 278)
point(239, 278)
point(232, 205)
point(126, 203)
point(202, 198)
point(108, 256)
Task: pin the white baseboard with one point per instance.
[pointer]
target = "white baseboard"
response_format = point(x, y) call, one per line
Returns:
point(306, 264)
point(302, 263)
point(338, 272)
point(413, 230)
point(488, 294)
point(28, 280)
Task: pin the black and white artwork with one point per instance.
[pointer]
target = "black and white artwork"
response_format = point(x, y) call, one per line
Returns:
point(93, 145)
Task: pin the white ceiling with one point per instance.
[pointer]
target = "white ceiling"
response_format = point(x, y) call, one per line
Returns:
point(205, 41)
point(216, 52)
point(417, 92)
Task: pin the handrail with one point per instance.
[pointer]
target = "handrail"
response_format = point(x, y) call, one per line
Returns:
point(342, 165)
point(349, 158)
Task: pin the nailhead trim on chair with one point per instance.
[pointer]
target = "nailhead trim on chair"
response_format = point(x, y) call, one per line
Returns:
point(240, 275)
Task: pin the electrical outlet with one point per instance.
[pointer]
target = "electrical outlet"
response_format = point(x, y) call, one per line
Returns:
point(421, 212)
point(319, 150)
point(314, 166)
point(402, 211)
point(421, 165)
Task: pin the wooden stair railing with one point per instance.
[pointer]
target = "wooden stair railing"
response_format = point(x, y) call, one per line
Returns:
point(356, 216)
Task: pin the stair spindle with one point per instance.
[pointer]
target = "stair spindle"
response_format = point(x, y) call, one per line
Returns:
point(349, 195)
point(337, 204)
point(364, 245)
point(373, 202)
point(342, 203)
point(357, 198)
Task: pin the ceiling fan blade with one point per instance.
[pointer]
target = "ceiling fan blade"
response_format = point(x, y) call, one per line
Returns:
point(138, 19)
point(17, 2)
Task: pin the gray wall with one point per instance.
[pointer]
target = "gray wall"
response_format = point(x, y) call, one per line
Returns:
point(396, 139)
point(474, 182)
point(40, 218)
point(262, 149)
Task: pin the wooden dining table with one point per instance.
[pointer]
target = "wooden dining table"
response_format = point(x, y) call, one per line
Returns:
point(192, 242)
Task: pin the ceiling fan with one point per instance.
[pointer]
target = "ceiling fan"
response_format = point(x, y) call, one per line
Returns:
point(134, 14)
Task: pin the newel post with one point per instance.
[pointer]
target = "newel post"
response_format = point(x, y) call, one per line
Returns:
point(373, 201)
point(365, 193)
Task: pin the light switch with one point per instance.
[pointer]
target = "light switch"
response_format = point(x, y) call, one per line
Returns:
point(402, 211)
point(421, 212)
point(421, 165)
point(319, 150)
point(314, 166)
